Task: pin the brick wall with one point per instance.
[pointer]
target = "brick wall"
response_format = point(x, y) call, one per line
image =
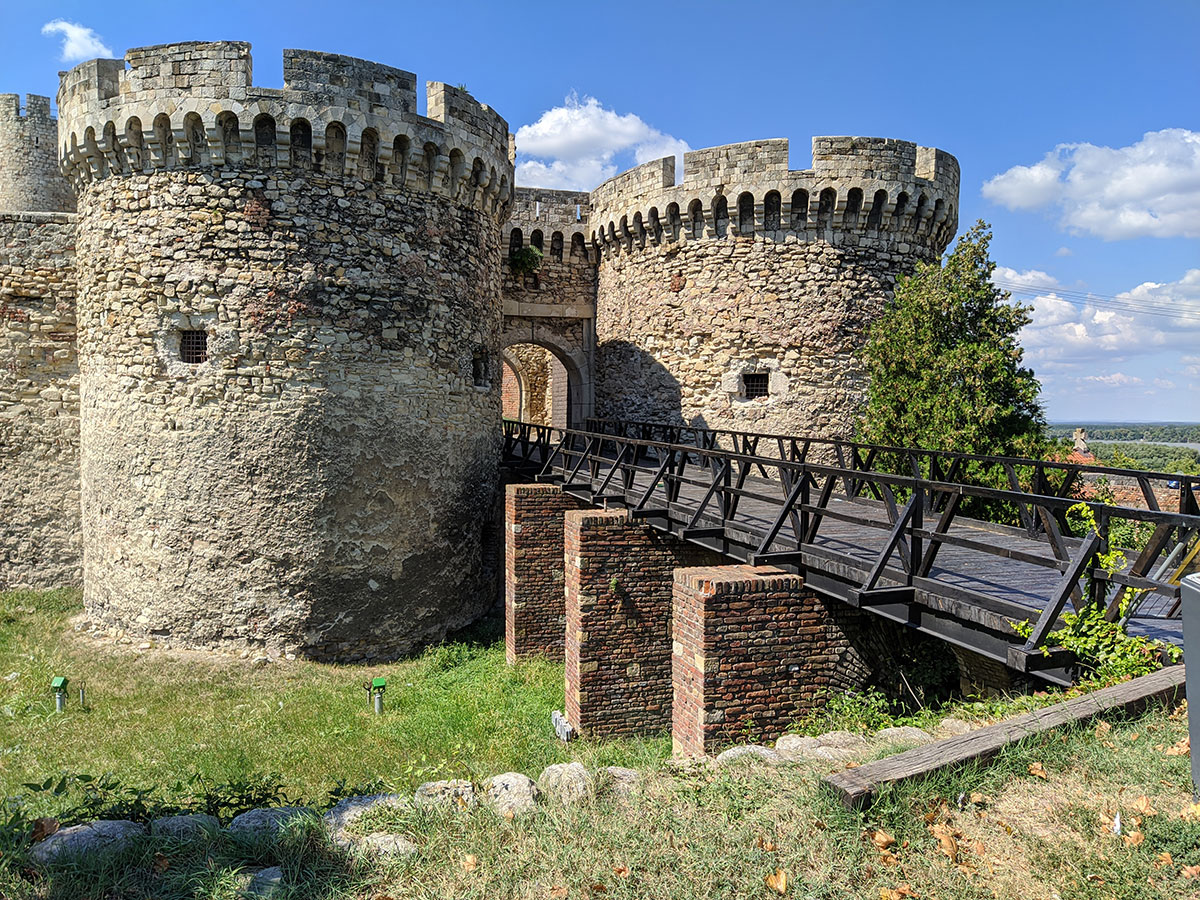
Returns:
point(618, 604)
point(983, 677)
point(753, 650)
point(533, 569)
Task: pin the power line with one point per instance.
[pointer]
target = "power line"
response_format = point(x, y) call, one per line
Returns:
point(1102, 301)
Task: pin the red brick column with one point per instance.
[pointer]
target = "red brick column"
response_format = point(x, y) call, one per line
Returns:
point(533, 569)
point(618, 593)
point(754, 644)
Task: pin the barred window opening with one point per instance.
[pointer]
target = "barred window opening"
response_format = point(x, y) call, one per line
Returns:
point(755, 385)
point(193, 347)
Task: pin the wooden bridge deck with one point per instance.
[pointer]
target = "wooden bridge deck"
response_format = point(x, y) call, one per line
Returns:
point(857, 542)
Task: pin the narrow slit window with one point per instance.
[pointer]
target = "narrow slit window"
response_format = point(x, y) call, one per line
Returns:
point(193, 347)
point(755, 385)
point(480, 370)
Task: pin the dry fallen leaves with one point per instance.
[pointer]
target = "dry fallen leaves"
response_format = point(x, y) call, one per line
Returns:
point(1190, 871)
point(470, 862)
point(766, 844)
point(1182, 748)
point(947, 839)
point(881, 839)
point(621, 871)
point(898, 893)
point(43, 828)
point(161, 863)
point(977, 798)
point(1102, 729)
point(888, 858)
point(1190, 813)
point(558, 892)
point(1037, 770)
point(777, 881)
point(1133, 839)
point(1143, 806)
point(1163, 860)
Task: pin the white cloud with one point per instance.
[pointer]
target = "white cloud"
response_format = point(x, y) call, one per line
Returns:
point(1116, 379)
point(1063, 251)
point(575, 145)
point(78, 42)
point(1149, 188)
point(1029, 280)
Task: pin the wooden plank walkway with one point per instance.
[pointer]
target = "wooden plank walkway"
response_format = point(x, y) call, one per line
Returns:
point(959, 578)
point(857, 787)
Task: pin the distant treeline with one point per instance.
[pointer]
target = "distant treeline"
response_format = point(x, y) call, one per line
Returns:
point(1120, 431)
point(1147, 457)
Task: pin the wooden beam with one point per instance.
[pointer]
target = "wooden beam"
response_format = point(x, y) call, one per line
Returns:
point(857, 787)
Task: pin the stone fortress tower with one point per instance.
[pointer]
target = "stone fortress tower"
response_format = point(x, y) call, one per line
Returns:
point(740, 297)
point(289, 324)
point(277, 421)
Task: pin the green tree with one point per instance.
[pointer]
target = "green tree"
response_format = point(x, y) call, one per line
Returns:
point(945, 364)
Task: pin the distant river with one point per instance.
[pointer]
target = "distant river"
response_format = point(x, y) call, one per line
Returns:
point(1092, 440)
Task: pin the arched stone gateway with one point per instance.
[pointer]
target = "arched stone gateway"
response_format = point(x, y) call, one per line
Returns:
point(552, 373)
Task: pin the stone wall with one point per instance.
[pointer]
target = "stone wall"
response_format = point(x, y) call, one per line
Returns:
point(618, 637)
point(40, 545)
point(741, 297)
point(534, 598)
point(319, 478)
point(29, 176)
point(753, 651)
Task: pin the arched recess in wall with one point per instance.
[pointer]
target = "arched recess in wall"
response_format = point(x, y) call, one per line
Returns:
point(559, 397)
point(231, 137)
point(113, 148)
point(301, 152)
point(165, 140)
point(401, 147)
point(720, 208)
point(696, 217)
point(854, 201)
point(656, 228)
point(458, 171)
point(431, 159)
point(516, 240)
point(334, 161)
point(674, 222)
point(556, 246)
point(197, 140)
point(368, 155)
point(772, 211)
point(639, 231)
point(901, 209)
point(264, 141)
point(99, 163)
point(536, 239)
point(745, 204)
point(826, 203)
point(878, 205)
point(799, 209)
point(136, 144)
point(578, 247)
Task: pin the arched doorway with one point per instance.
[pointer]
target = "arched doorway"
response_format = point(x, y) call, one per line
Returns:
point(535, 386)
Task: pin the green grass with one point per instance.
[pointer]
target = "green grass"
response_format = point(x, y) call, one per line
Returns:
point(160, 717)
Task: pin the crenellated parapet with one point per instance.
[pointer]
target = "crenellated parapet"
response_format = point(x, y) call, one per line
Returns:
point(193, 105)
point(860, 191)
point(556, 222)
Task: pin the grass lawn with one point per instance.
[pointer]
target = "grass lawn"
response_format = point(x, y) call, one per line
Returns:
point(1040, 823)
point(160, 717)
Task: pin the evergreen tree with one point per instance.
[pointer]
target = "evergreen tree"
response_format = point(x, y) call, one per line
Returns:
point(945, 365)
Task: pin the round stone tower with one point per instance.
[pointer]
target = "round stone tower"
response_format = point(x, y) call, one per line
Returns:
point(740, 298)
point(289, 326)
point(29, 176)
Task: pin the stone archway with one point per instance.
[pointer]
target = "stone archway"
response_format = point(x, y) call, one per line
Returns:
point(570, 354)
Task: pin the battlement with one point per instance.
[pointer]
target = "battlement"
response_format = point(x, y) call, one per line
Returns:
point(859, 190)
point(37, 109)
point(554, 221)
point(194, 105)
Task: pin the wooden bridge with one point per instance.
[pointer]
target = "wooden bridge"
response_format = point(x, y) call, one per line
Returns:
point(914, 536)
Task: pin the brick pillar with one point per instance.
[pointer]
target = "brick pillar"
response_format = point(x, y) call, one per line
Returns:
point(752, 643)
point(980, 676)
point(618, 657)
point(533, 569)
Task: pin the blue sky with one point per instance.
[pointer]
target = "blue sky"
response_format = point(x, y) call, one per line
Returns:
point(1077, 125)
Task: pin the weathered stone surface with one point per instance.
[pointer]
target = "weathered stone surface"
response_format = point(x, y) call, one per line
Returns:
point(185, 828)
point(843, 740)
point(793, 747)
point(749, 753)
point(903, 734)
point(387, 844)
point(266, 883)
point(951, 726)
point(458, 794)
point(31, 181)
point(567, 782)
point(91, 837)
point(617, 781)
point(512, 793)
point(349, 809)
point(793, 744)
point(265, 822)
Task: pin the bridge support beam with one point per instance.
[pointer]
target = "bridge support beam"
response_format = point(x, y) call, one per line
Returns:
point(534, 609)
point(619, 577)
point(754, 650)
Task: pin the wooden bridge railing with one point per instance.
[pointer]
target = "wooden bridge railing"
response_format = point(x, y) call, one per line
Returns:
point(705, 490)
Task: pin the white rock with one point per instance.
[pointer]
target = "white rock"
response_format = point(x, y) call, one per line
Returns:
point(843, 740)
point(386, 844)
point(265, 822)
point(748, 753)
point(903, 734)
point(618, 781)
point(795, 746)
point(953, 726)
point(265, 883)
point(184, 828)
point(567, 782)
point(112, 836)
point(513, 793)
point(348, 810)
point(457, 793)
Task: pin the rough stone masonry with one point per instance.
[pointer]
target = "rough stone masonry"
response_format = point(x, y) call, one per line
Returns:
point(251, 338)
